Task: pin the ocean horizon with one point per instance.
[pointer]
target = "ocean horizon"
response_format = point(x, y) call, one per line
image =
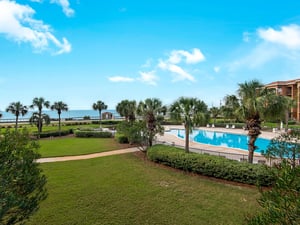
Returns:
point(74, 114)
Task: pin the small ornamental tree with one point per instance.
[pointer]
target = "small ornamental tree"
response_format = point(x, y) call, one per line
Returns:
point(22, 184)
point(281, 204)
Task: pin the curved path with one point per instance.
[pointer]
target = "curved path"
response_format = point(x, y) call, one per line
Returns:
point(89, 156)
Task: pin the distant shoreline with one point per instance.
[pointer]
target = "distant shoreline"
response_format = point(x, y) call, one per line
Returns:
point(66, 115)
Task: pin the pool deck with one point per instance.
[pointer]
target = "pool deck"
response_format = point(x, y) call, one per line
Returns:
point(173, 139)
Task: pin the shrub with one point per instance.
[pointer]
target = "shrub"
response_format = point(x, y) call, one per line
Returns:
point(54, 133)
point(121, 138)
point(212, 166)
point(93, 134)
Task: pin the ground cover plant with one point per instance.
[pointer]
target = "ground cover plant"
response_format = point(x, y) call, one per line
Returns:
point(126, 190)
point(77, 146)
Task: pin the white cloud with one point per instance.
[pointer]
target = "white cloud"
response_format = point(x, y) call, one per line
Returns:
point(217, 69)
point(121, 79)
point(148, 77)
point(183, 58)
point(288, 36)
point(195, 56)
point(65, 4)
point(180, 73)
point(17, 24)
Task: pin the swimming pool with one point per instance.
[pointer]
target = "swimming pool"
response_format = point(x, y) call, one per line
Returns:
point(229, 140)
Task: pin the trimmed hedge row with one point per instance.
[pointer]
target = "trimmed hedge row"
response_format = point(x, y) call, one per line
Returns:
point(93, 134)
point(212, 166)
point(54, 133)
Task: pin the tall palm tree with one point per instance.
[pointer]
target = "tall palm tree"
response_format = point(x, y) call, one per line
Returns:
point(59, 107)
point(191, 112)
point(99, 105)
point(127, 109)
point(249, 93)
point(39, 119)
point(231, 106)
point(17, 109)
point(39, 116)
point(215, 112)
point(152, 110)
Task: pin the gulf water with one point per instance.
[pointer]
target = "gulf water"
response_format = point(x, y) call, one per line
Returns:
point(74, 114)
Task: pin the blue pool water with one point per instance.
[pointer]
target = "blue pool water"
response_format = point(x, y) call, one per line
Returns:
point(222, 139)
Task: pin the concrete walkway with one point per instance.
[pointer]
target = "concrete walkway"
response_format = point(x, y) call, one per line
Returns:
point(89, 156)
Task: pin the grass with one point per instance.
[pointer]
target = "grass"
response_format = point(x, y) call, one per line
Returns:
point(77, 146)
point(126, 190)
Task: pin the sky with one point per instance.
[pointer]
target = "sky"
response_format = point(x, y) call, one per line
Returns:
point(82, 51)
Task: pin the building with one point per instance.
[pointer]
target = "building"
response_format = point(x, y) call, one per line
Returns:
point(289, 88)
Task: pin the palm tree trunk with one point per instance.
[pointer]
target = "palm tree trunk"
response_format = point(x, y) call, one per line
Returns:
point(16, 127)
point(251, 148)
point(187, 138)
point(100, 118)
point(59, 125)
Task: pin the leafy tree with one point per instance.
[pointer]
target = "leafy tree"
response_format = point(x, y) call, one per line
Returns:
point(280, 204)
point(22, 184)
point(274, 107)
point(39, 117)
point(99, 105)
point(59, 107)
point(191, 112)
point(127, 109)
point(152, 111)
point(215, 112)
point(286, 147)
point(17, 109)
point(230, 109)
point(249, 92)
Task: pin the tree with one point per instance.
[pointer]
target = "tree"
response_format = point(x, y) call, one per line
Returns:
point(59, 107)
point(249, 92)
point(22, 183)
point(127, 109)
point(280, 204)
point(286, 147)
point(215, 112)
point(17, 109)
point(99, 105)
point(230, 109)
point(39, 117)
point(152, 111)
point(191, 112)
point(39, 120)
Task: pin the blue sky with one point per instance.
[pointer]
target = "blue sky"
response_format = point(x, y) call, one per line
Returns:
point(81, 51)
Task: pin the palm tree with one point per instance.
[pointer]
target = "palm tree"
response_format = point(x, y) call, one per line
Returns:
point(215, 112)
point(39, 117)
point(99, 105)
point(191, 112)
point(152, 111)
point(231, 106)
point(127, 109)
point(249, 93)
point(17, 109)
point(59, 107)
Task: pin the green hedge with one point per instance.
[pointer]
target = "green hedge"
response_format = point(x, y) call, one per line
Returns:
point(121, 138)
point(93, 134)
point(54, 133)
point(212, 166)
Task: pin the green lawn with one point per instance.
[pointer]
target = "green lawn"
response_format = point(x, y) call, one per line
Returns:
point(126, 190)
point(77, 146)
